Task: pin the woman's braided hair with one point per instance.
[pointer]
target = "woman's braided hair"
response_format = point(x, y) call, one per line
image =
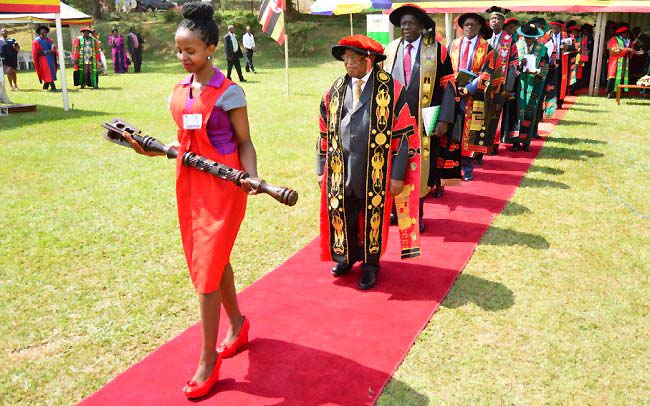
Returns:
point(199, 16)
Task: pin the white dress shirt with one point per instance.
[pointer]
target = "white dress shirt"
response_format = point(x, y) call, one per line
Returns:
point(494, 41)
point(248, 40)
point(414, 50)
point(235, 44)
point(472, 47)
point(365, 81)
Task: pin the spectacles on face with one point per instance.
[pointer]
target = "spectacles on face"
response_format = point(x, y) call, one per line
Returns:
point(355, 58)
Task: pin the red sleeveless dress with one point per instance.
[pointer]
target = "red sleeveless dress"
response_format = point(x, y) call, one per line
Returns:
point(210, 210)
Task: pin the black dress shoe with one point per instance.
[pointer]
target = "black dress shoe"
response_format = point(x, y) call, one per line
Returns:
point(515, 147)
point(243, 80)
point(341, 269)
point(368, 278)
point(526, 148)
point(438, 192)
point(421, 226)
point(467, 178)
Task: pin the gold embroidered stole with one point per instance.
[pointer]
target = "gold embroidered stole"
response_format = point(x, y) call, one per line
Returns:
point(428, 72)
point(377, 166)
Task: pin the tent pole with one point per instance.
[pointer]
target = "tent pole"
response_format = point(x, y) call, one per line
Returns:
point(448, 28)
point(59, 44)
point(601, 51)
point(351, 27)
point(597, 33)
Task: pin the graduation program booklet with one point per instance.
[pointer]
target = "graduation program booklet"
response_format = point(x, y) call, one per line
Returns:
point(430, 119)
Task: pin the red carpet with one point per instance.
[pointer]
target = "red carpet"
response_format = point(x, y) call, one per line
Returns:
point(318, 340)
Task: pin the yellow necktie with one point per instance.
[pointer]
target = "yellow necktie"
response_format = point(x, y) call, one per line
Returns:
point(357, 93)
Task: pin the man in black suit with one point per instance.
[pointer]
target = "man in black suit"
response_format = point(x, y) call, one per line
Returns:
point(233, 53)
point(367, 155)
point(423, 65)
point(135, 42)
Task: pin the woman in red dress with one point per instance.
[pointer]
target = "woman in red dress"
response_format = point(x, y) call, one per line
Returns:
point(212, 120)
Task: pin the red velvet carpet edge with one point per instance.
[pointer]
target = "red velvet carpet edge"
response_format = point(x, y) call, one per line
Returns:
point(318, 340)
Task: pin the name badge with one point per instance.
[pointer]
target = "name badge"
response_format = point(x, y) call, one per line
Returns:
point(192, 121)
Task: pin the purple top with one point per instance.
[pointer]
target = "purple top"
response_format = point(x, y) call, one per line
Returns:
point(219, 129)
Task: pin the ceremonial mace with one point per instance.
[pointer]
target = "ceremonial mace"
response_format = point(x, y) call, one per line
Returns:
point(116, 129)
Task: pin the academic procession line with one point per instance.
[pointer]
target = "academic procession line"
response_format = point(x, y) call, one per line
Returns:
point(378, 161)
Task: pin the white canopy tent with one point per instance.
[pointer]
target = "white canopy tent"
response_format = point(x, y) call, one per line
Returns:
point(68, 16)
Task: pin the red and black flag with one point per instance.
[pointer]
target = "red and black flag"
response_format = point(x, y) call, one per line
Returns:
point(271, 18)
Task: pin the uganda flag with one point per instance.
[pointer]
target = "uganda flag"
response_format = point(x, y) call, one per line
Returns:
point(271, 18)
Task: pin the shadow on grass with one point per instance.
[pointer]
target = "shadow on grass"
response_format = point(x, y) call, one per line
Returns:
point(515, 209)
point(574, 122)
point(543, 183)
point(636, 102)
point(549, 152)
point(587, 109)
point(461, 231)
point(324, 377)
point(45, 114)
point(488, 295)
point(504, 236)
point(574, 141)
point(546, 170)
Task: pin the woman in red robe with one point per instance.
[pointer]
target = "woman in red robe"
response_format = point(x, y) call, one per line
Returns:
point(44, 54)
point(212, 120)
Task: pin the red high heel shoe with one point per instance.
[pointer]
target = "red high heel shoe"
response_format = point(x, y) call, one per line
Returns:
point(195, 390)
point(228, 351)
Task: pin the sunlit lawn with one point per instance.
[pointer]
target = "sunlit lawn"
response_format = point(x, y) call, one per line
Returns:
point(92, 276)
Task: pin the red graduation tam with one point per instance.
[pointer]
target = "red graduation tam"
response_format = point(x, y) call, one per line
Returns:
point(86, 29)
point(622, 29)
point(573, 28)
point(511, 20)
point(557, 23)
point(360, 44)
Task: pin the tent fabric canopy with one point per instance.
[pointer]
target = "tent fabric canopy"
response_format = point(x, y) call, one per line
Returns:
point(30, 6)
point(576, 6)
point(69, 16)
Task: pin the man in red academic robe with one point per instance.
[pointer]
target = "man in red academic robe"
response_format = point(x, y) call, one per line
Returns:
point(470, 57)
point(368, 155)
point(44, 55)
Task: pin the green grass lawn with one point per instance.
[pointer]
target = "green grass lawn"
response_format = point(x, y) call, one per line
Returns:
point(552, 308)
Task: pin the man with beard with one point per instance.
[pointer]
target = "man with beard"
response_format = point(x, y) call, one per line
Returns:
point(423, 66)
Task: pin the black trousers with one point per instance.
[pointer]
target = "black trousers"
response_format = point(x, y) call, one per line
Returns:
point(234, 62)
point(353, 206)
point(249, 60)
point(137, 60)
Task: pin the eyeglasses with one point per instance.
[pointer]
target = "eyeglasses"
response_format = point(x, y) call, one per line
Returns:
point(353, 58)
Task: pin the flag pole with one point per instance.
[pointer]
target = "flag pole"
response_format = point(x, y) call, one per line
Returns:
point(286, 62)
